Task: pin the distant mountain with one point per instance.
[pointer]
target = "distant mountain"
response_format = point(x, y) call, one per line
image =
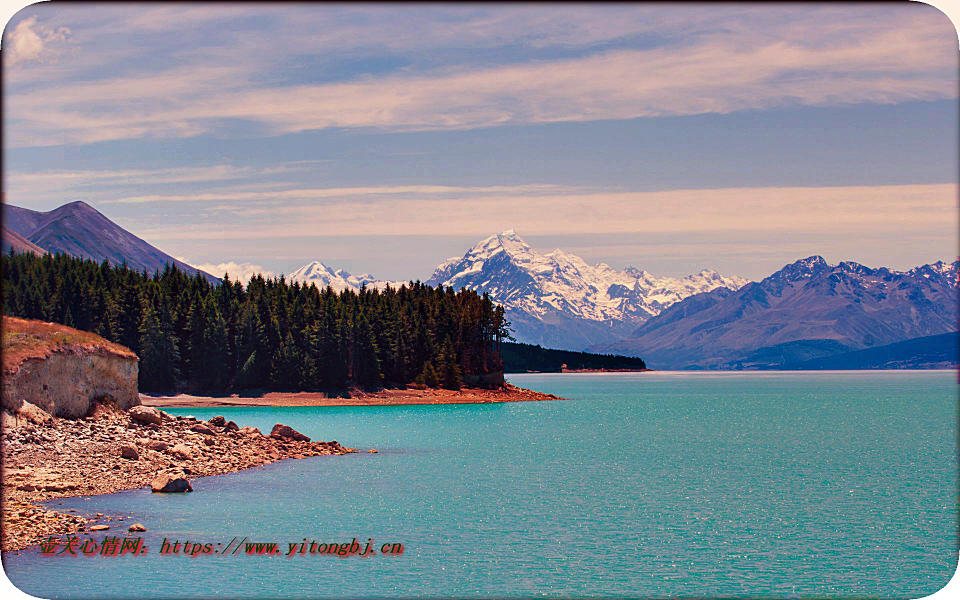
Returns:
point(805, 311)
point(80, 230)
point(558, 300)
point(322, 276)
point(930, 352)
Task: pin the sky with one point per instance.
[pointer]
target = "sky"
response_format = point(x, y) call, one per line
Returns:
point(385, 139)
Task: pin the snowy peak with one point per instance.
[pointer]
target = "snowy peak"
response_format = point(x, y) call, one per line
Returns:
point(561, 283)
point(323, 276)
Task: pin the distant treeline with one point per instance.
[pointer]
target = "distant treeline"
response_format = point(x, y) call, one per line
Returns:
point(271, 334)
point(521, 358)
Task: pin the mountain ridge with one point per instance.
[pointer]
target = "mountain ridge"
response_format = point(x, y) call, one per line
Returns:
point(809, 300)
point(78, 229)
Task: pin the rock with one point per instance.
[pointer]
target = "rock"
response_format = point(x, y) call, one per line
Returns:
point(181, 451)
point(100, 528)
point(156, 445)
point(201, 428)
point(209, 441)
point(146, 414)
point(218, 421)
point(285, 431)
point(171, 482)
point(128, 451)
point(372, 451)
point(231, 426)
point(33, 414)
point(247, 430)
point(137, 527)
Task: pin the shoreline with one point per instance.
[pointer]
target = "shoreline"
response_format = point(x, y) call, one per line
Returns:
point(112, 451)
point(385, 397)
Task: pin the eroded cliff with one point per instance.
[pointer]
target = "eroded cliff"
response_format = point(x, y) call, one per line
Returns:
point(62, 370)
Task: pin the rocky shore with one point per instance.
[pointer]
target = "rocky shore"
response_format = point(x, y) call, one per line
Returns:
point(111, 450)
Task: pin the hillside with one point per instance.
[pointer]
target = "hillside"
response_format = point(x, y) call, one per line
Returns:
point(930, 352)
point(80, 230)
point(11, 240)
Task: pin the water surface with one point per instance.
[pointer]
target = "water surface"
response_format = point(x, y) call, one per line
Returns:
point(642, 484)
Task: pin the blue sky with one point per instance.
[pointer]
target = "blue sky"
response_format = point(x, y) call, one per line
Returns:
point(386, 139)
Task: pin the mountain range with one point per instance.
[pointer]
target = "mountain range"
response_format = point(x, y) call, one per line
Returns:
point(807, 310)
point(809, 314)
point(80, 230)
point(556, 300)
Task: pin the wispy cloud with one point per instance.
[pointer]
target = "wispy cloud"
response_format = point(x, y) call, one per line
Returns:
point(98, 184)
point(345, 192)
point(822, 210)
point(822, 57)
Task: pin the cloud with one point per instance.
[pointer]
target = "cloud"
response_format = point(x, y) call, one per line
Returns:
point(31, 41)
point(841, 210)
point(342, 192)
point(59, 184)
point(724, 62)
point(237, 271)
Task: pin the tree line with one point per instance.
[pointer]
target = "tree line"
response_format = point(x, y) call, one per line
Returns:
point(522, 358)
point(268, 334)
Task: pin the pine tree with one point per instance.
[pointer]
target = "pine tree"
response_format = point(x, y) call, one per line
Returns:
point(428, 376)
point(450, 367)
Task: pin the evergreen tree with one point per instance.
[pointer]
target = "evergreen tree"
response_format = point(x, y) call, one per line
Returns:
point(450, 367)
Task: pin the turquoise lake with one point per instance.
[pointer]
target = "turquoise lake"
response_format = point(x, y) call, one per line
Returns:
point(641, 484)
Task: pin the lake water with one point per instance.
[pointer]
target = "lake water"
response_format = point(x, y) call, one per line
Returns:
point(642, 484)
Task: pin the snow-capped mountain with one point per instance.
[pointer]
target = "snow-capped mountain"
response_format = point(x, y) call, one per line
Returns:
point(559, 300)
point(323, 276)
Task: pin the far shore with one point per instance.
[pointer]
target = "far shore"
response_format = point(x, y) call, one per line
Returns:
point(386, 397)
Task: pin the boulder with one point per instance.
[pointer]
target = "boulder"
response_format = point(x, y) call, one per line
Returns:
point(171, 482)
point(33, 414)
point(181, 451)
point(285, 431)
point(129, 451)
point(137, 527)
point(217, 421)
point(146, 414)
point(100, 528)
point(156, 445)
point(231, 426)
point(247, 430)
point(201, 428)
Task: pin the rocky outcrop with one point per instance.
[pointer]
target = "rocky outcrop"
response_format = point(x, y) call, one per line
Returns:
point(64, 371)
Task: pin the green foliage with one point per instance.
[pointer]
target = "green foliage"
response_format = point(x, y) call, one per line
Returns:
point(191, 335)
point(450, 366)
point(428, 376)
